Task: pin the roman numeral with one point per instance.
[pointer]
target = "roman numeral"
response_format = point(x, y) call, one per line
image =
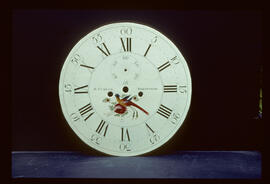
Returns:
point(153, 137)
point(86, 66)
point(104, 52)
point(150, 130)
point(85, 111)
point(124, 134)
point(102, 128)
point(170, 88)
point(83, 89)
point(165, 65)
point(147, 50)
point(164, 111)
point(126, 48)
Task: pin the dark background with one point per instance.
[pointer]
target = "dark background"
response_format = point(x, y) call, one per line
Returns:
point(222, 48)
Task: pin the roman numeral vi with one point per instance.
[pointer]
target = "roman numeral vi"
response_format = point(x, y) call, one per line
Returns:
point(124, 134)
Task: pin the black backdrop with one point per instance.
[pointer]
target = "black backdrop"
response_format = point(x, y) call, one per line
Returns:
point(223, 50)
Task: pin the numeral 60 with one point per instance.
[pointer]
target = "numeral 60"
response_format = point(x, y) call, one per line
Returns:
point(126, 31)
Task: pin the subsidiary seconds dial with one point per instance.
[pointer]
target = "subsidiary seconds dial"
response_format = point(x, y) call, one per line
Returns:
point(125, 89)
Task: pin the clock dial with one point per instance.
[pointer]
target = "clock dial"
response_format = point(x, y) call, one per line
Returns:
point(125, 89)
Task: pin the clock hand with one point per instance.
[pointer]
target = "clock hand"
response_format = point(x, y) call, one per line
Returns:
point(127, 102)
point(126, 98)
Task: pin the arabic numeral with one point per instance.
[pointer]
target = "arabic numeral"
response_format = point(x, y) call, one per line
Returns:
point(74, 117)
point(154, 40)
point(175, 60)
point(175, 118)
point(96, 139)
point(126, 31)
point(68, 88)
point(125, 146)
point(183, 89)
point(75, 59)
point(154, 138)
point(97, 39)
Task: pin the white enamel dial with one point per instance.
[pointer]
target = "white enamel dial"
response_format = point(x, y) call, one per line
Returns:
point(125, 89)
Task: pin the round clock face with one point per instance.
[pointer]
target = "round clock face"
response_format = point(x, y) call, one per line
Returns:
point(125, 89)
